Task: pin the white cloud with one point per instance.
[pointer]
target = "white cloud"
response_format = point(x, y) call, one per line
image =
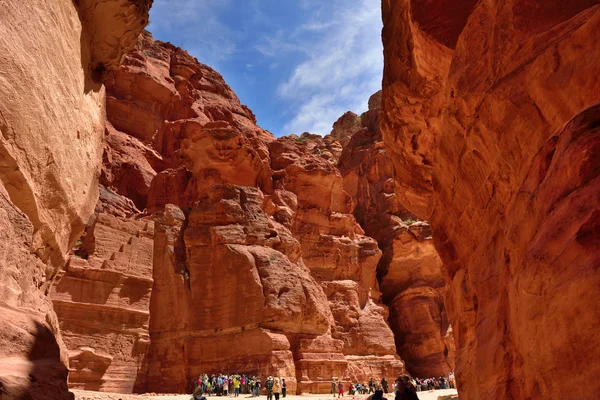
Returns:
point(332, 56)
point(277, 44)
point(342, 69)
point(198, 23)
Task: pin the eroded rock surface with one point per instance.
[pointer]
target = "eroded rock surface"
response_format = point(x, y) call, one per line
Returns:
point(32, 364)
point(490, 112)
point(51, 123)
point(232, 211)
point(102, 300)
point(339, 256)
point(409, 271)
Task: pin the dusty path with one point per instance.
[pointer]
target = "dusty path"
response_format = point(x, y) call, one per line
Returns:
point(84, 395)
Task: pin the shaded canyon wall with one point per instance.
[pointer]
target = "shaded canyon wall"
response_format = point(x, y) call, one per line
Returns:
point(490, 112)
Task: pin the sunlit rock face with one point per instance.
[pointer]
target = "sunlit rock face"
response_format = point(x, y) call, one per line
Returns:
point(102, 299)
point(339, 255)
point(490, 114)
point(51, 122)
point(244, 289)
point(251, 272)
point(409, 271)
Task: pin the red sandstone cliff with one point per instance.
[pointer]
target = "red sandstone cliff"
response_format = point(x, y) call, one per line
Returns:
point(491, 122)
point(409, 271)
point(53, 56)
point(258, 265)
point(490, 112)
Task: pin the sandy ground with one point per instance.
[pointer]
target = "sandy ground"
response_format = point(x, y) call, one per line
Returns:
point(83, 395)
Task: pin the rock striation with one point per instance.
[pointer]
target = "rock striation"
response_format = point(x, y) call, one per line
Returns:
point(51, 123)
point(339, 256)
point(102, 300)
point(490, 112)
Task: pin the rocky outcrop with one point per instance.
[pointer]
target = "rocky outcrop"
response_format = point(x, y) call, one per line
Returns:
point(409, 271)
point(102, 300)
point(251, 274)
point(32, 364)
point(338, 254)
point(247, 287)
point(51, 124)
point(502, 136)
point(163, 107)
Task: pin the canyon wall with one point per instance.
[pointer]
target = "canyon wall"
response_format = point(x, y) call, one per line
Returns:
point(490, 112)
point(215, 247)
point(52, 122)
point(410, 270)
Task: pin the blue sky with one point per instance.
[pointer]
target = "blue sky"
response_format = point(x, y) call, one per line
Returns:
point(298, 64)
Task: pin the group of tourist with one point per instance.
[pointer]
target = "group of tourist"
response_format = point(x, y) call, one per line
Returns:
point(224, 385)
point(367, 388)
point(404, 387)
point(434, 383)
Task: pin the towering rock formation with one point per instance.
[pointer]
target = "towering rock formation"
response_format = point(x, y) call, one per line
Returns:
point(340, 257)
point(257, 263)
point(490, 110)
point(53, 55)
point(409, 271)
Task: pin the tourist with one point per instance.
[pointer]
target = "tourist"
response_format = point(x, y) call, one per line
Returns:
point(236, 386)
point(384, 385)
point(333, 387)
point(198, 393)
point(283, 387)
point(269, 387)
point(276, 388)
point(340, 389)
point(405, 390)
point(378, 395)
point(225, 386)
point(371, 386)
point(358, 388)
point(257, 387)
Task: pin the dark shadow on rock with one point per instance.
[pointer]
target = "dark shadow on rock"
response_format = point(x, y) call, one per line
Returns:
point(45, 378)
point(93, 75)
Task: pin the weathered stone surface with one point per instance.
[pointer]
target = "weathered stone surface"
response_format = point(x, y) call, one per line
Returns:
point(32, 366)
point(249, 288)
point(346, 126)
point(102, 302)
point(418, 317)
point(51, 123)
point(511, 129)
point(409, 263)
point(178, 120)
point(340, 257)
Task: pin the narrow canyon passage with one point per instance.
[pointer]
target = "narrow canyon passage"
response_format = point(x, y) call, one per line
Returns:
point(152, 231)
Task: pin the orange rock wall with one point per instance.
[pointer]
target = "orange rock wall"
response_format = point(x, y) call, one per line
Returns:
point(340, 257)
point(409, 271)
point(102, 301)
point(51, 122)
point(231, 213)
point(510, 119)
